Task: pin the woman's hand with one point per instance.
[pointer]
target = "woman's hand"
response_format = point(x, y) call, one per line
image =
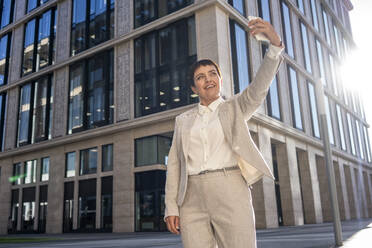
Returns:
point(258, 26)
point(173, 224)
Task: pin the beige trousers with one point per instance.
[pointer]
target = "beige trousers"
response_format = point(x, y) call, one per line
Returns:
point(218, 210)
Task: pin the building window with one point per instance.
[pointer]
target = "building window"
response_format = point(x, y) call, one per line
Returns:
point(107, 157)
point(366, 141)
point(319, 52)
point(295, 99)
point(30, 171)
point(359, 135)
point(88, 161)
point(337, 38)
point(35, 111)
point(152, 150)
point(17, 174)
point(239, 5)
point(161, 63)
point(87, 205)
point(68, 206)
point(4, 58)
point(264, 9)
point(106, 203)
point(149, 201)
point(3, 103)
point(43, 208)
point(39, 42)
point(146, 11)
point(340, 127)
point(14, 211)
point(92, 23)
point(332, 66)
point(7, 12)
point(314, 14)
point(287, 29)
point(91, 101)
point(28, 209)
point(240, 57)
point(70, 164)
point(329, 120)
point(32, 4)
point(313, 109)
point(300, 4)
point(351, 135)
point(305, 47)
point(326, 26)
point(44, 170)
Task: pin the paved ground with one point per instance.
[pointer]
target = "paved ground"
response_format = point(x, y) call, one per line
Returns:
point(356, 234)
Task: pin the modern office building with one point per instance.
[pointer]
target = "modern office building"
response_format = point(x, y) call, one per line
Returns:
point(89, 91)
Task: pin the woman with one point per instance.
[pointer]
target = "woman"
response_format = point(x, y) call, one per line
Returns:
point(213, 160)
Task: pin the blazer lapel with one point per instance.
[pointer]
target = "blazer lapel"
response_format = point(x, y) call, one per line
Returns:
point(188, 122)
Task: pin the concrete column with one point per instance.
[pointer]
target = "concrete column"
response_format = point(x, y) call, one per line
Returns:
point(5, 194)
point(324, 189)
point(289, 183)
point(19, 9)
point(318, 215)
point(362, 192)
point(350, 194)
point(15, 63)
point(75, 215)
point(54, 220)
point(269, 198)
point(123, 190)
point(11, 119)
point(354, 183)
point(98, 202)
point(344, 190)
point(213, 42)
point(368, 188)
point(20, 208)
point(37, 197)
point(63, 26)
point(340, 196)
point(123, 17)
point(60, 102)
point(123, 82)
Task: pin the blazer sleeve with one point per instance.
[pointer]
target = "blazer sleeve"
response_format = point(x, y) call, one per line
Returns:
point(173, 177)
point(252, 97)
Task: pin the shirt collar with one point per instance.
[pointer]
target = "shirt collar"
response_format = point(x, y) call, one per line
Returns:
point(211, 107)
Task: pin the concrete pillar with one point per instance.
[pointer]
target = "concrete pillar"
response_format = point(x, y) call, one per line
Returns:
point(19, 9)
point(11, 119)
point(15, 63)
point(340, 196)
point(123, 190)
point(289, 183)
point(324, 189)
point(75, 213)
point(36, 216)
point(98, 202)
point(269, 198)
point(350, 195)
point(345, 196)
point(368, 188)
point(318, 215)
point(213, 42)
point(362, 192)
point(123, 83)
point(63, 26)
point(60, 102)
point(5, 193)
point(354, 183)
point(123, 17)
point(54, 220)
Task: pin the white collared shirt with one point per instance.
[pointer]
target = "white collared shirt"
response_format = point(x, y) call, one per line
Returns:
point(208, 148)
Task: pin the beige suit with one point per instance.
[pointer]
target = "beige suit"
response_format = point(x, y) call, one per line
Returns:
point(233, 115)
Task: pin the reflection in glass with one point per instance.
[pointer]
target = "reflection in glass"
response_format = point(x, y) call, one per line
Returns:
point(314, 110)
point(24, 115)
point(341, 127)
point(30, 171)
point(12, 226)
point(68, 208)
point(88, 161)
point(106, 203)
point(70, 164)
point(152, 150)
point(28, 209)
point(28, 51)
point(4, 58)
point(351, 134)
point(43, 208)
point(287, 27)
point(107, 157)
point(295, 98)
point(314, 14)
point(329, 121)
point(44, 169)
point(7, 12)
point(76, 107)
point(17, 174)
point(87, 205)
point(305, 47)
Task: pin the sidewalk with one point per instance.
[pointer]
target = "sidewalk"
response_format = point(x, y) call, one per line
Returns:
point(356, 234)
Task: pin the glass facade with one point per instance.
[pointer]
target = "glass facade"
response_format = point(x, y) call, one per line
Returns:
point(5, 42)
point(332, 67)
point(107, 157)
point(329, 120)
point(146, 11)
point(12, 227)
point(149, 201)
point(326, 26)
point(300, 5)
point(161, 62)
point(39, 42)
point(337, 38)
point(313, 109)
point(32, 4)
point(351, 134)
point(341, 127)
point(30, 171)
point(305, 47)
point(28, 209)
point(239, 5)
point(152, 150)
point(295, 98)
point(44, 169)
point(35, 111)
point(7, 12)
point(88, 161)
point(87, 205)
point(91, 102)
point(314, 14)
point(287, 29)
point(106, 203)
point(17, 174)
point(320, 58)
point(43, 208)
point(68, 206)
point(92, 23)
point(366, 141)
point(359, 135)
point(240, 57)
point(70, 164)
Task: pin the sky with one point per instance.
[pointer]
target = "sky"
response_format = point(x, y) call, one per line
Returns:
point(357, 69)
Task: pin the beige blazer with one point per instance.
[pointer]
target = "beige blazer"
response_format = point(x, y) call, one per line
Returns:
point(233, 115)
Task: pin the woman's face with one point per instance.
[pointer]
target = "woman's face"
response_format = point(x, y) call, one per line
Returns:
point(207, 84)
